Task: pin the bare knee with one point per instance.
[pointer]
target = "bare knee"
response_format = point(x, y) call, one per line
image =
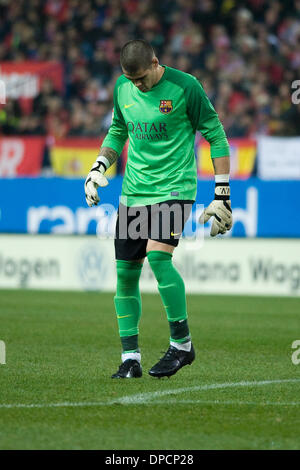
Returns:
point(154, 245)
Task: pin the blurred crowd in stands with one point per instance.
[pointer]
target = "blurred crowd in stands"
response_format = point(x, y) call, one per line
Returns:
point(245, 53)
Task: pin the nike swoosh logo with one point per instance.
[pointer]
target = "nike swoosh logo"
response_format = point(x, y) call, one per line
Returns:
point(128, 105)
point(124, 316)
point(174, 234)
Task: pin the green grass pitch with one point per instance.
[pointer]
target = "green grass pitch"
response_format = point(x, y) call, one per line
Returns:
point(62, 347)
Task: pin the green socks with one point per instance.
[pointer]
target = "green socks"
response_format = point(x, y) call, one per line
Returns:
point(128, 303)
point(128, 299)
point(172, 291)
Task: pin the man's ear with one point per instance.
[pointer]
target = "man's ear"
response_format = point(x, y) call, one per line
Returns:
point(155, 62)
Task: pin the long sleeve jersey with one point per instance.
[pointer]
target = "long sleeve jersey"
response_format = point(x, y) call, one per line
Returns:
point(161, 125)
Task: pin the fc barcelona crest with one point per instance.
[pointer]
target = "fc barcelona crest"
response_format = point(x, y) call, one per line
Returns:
point(165, 106)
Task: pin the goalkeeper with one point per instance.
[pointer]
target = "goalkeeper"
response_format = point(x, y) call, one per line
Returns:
point(159, 109)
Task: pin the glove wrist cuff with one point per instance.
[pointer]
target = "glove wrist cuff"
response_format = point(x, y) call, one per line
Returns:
point(104, 161)
point(99, 166)
point(222, 178)
point(222, 192)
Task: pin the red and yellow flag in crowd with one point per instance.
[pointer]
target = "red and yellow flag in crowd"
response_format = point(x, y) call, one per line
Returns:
point(75, 156)
point(242, 158)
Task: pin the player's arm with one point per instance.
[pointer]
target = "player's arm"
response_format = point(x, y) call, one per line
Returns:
point(204, 118)
point(96, 177)
point(220, 207)
point(110, 151)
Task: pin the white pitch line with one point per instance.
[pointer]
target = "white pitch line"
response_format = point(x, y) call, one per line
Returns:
point(150, 397)
point(226, 402)
point(56, 405)
point(142, 397)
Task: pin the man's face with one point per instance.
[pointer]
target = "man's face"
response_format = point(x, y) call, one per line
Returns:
point(144, 79)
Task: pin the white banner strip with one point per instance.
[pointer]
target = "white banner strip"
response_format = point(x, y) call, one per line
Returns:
point(221, 265)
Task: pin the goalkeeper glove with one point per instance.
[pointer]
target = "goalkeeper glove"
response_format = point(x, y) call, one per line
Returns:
point(94, 179)
point(220, 209)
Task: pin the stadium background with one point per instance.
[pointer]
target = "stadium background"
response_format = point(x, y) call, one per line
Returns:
point(59, 60)
point(59, 343)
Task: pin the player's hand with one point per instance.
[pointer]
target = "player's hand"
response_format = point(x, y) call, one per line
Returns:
point(94, 179)
point(220, 210)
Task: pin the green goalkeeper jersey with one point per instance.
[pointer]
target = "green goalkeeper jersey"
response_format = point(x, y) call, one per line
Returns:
point(161, 125)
